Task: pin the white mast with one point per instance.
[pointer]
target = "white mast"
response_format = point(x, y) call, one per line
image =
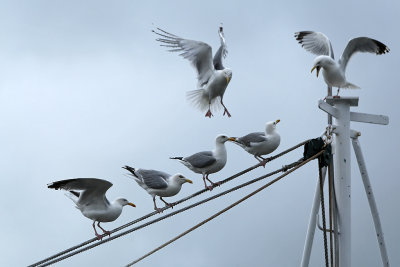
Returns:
point(339, 108)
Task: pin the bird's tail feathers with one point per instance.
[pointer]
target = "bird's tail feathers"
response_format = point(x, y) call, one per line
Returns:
point(199, 99)
point(351, 86)
point(74, 196)
point(131, 170)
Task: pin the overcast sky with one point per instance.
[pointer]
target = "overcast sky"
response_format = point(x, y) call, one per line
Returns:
point(85, 89)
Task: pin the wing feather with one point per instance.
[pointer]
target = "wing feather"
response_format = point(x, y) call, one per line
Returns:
point(221, 53)
point(252, 138)
point(361, 44)
point(154, 179)
point(92, 189)
point(315, 42)
point(198, 53)
point(201, 159)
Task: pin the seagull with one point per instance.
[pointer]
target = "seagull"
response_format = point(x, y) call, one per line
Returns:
point(158, 183)
point(212, 76)
point(89, 196)
point(334, 72)
point(260, 143)
point(207, 162)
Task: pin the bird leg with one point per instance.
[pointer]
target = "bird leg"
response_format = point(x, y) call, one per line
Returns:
point(167, 204)
point(262, 160)
point(205, 185)
point(99, 237)
point(225, 109)
point(104, 231)
point(337, 94)
point(212, 183)
point(155, 206)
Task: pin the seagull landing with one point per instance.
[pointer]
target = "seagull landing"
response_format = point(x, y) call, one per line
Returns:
point(212, 77)
point(334, 72)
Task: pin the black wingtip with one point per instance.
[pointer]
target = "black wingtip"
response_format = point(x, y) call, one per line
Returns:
point(180, 158)
point(59, 184)
point(300, 35)
point(382, 48)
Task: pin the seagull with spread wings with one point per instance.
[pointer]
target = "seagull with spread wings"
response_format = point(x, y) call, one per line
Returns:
point(334, 72)
point(158, 183)
point(89, 196)
point(213, 78)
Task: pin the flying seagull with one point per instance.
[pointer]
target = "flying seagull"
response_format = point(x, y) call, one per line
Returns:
point(89, 196)
point(158, 183)
point(260, 143)
point(207, 162)
point(212, 76)
point(334, 72)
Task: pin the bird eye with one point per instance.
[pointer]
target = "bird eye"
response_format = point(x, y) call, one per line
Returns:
point(180, 176)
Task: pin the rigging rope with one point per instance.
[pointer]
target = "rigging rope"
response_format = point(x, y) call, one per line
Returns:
point(227, 208)
point(321, 187)
point(283, 169)
point(167, 207)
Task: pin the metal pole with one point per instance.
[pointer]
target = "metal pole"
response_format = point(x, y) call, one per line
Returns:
point(371, 198)
point(305, 260)
point(343, 180)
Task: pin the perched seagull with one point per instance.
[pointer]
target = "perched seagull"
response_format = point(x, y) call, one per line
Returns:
point(334, 72)
point(212, 76)
point(207, 162)
point(260, 143)
point(89, 196)
point(158, 183)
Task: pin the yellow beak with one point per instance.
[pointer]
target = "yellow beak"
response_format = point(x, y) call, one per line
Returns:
point(131, 204)
point(232, 138)
point(228, 79)
point(278, 120)
point(316, 67)
point(189, 181)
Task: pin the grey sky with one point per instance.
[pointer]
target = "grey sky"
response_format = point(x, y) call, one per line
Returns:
point(85, 89)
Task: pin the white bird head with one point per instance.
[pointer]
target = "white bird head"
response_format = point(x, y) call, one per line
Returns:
point(124, 202)
point(181, 179)
point(228, 75)
point(222, 138)
point(322, 62)
point(271, 126)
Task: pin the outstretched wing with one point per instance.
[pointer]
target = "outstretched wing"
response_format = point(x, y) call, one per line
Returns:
point(92, 189)
point(315, 42)
point(154, 179)
point(201, 159)
point(361, 44)
point(221, 53)
point(198, 53)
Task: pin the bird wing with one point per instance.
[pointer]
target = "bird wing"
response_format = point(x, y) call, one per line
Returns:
point(361, 44)
point(92, 189)
point(221, 52)
point(154, 179)
point(247, 140)
point(198, 53)
point(201, 159)
point(315, 42)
